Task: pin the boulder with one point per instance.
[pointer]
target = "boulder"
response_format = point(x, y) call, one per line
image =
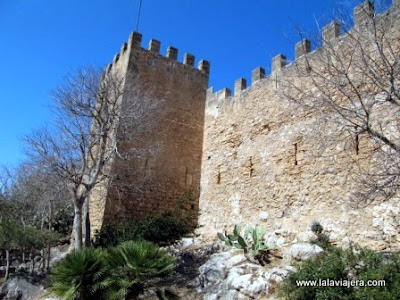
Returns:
point(57, 254)
point(186, 243)
point(228, 275)
point(263, 215)
point(304, 251)
point(20, 288)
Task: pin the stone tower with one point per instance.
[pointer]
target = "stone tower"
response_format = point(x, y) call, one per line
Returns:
point(161, 144)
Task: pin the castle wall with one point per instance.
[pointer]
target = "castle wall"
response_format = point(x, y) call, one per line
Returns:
point(159, 137)
point(256, 157)
point(268, 160)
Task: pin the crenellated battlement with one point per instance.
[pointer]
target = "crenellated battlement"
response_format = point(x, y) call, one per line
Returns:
point(161, 140)
point(285, 148)
point(135, 44)
point(330, 34)
point(246, 152)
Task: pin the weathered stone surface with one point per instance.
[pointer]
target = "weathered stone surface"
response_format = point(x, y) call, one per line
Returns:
point(214, 270)
point(57, 254)
point(258, 157)
point(386, 218)
point(228, 275)
point(263, 215)
point(304, 251)
point(265, 153)
point(304, 237)
point(186, 243)
point(18, 288)
point(161, 143)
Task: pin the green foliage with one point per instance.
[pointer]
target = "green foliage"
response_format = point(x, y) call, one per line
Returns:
point(112, 234)
point(131, 264)
point(9, 234)
point(15, 236)
point(317, 228)
point(63, 220)
point(322, 239)
point(253, 240)
point(114, 273)
point(162, 229)
point(32, 238)
point(339, 264)
point(184, 209)
point(79, 275)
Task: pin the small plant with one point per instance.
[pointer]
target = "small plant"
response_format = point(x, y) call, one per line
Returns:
point(253, 241)
point(322, 239)
point(317, 228)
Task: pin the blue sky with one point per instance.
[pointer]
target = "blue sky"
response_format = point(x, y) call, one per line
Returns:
point(42, 40)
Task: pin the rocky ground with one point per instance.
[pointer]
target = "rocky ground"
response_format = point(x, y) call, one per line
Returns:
point(208, 272)
point(218, 272)
point(25, 284)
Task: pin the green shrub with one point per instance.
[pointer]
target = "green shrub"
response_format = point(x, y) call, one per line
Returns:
point(322, 239)
point(131, 264)
point(162, 229)
point(184, 209)
point(63, 220)
point(338, 264)
point(317, 228)
point(79, 275)
point(111, 234)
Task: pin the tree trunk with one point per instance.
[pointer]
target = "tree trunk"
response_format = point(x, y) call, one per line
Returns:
point(32, 259)
point(86, 222)
point(8, 264)
point(78, 226)
point(87, 230)
point(48, 257)
point(42, 261)
point(49, 228)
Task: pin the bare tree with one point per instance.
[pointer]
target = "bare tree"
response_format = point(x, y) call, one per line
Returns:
point(354, 81)
point(5, 182)
point(41, 198)
point(83, 140)
point(91, 122)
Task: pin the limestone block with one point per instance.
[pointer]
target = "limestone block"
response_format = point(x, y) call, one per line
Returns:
point(304, 251)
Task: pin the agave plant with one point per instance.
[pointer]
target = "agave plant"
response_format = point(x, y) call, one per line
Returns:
point(78, 275)
point(131, 264)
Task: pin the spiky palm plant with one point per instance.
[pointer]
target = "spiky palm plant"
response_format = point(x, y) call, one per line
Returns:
point(131, 264)
point(79, 275)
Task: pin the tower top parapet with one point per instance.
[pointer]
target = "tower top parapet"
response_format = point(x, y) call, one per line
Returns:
point(135, 42)
point(363, 14)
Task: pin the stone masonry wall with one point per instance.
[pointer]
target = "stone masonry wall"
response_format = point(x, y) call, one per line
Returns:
point(159, 137)
point(252, 158)
point(265, 161)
